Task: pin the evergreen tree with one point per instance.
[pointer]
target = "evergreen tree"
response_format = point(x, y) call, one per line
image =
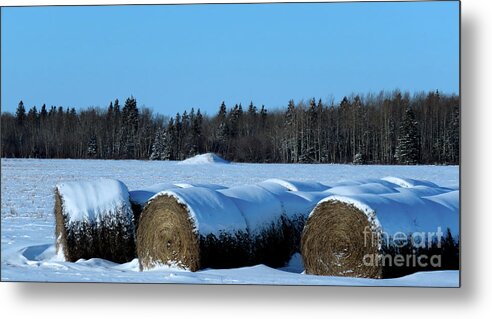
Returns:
point(158, 145)
point(32, 115)
point(234, 119)
point(73, 112)
point(20, 113)
point(222, 132)
point(196, 134)
point(178, 134)
point(263, 116)
point(185, 135)
point(92, 146)
point(252, 119)
point(291, 132)
point(43, 113)
point(129, 115)
point(110, 111)
point(116, 106)
point(52, 111)
point(290, 114)
point(116, 135)
point(170, 148)
point(311, 128)
point(359, 159)
point(408, 147)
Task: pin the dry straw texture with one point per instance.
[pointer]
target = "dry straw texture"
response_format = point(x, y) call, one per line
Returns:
point(167, 236)
point(112, 238)
point(333, 242)
point(339, 240)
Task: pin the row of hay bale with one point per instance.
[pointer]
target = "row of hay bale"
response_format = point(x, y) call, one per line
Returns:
point(204, 225)
point(201, 227)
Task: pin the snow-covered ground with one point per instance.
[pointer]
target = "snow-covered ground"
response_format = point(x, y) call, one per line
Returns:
point(27, 221)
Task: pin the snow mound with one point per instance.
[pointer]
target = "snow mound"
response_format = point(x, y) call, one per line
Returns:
point(207, 158)
point(93, 200)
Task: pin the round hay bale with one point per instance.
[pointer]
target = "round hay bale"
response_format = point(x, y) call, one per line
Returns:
point(367, 235)
point(94, 220)
point(192, 228)
point(332, 242)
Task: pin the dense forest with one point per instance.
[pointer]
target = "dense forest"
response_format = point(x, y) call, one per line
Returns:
point(384, 128)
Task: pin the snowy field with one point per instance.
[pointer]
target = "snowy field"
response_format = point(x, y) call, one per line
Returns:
point(27, 220)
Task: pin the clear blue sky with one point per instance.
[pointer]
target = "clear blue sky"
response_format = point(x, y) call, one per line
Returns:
point(172, 58)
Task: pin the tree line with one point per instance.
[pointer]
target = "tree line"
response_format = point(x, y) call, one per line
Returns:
point(384, 128)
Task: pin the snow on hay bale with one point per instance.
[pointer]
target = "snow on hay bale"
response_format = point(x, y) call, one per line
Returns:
point(192, 228)
point(269, 228)
point(306, 186)
point(140, 197)
point(368, 235)
point(94, 220)
point(408, 182)
point(362, 181)
point(204, 185)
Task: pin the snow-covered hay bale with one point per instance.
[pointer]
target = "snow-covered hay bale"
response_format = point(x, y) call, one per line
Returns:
point(192, 228)
point(140, 197)
point(94, 220)
point(269, 228)
point(383, 235)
